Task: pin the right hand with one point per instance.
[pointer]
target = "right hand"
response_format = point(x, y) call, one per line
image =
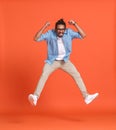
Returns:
point(47, 24)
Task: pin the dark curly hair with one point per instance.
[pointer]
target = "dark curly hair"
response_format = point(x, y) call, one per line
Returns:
point(60, 21)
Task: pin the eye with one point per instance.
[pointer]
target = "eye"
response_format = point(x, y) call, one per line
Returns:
point(61, 29)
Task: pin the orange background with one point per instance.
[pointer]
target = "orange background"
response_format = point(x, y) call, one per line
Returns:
point(22, 59)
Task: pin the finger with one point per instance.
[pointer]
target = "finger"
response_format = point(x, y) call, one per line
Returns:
point(69, 22)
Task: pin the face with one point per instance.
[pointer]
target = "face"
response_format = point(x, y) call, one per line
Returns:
point(60, 30)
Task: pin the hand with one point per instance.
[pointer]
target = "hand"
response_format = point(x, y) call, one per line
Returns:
point(71, 22)
point(47, 24)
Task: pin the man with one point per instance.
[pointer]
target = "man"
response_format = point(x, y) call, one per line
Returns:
point(59, 42)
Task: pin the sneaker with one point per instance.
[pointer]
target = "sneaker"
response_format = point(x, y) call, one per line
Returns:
point(90, 98)
point(32, 99)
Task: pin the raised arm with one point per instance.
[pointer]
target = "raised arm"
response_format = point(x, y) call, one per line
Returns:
point(79, 29)
point(38, 34)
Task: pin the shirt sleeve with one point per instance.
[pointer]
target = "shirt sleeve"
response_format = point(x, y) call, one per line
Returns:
point(44, 36)
point(74, 34)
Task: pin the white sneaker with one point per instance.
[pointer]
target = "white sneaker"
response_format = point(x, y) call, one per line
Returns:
point(32, 99)
point(90, 98)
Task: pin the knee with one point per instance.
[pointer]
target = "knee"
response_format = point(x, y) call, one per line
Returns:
point(76, 75)
point(44, 74)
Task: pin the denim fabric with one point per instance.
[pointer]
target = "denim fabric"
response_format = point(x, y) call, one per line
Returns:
point(51, 38)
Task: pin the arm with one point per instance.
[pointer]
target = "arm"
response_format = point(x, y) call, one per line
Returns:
point(79, 29)
point(38, 34)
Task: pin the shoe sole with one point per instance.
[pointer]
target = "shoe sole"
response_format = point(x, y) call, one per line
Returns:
point(92, 98)
point(30, 98)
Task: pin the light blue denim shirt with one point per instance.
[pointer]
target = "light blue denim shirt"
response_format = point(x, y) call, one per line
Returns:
point(51, 38)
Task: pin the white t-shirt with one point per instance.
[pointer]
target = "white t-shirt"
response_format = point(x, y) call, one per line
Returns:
point(61, 49)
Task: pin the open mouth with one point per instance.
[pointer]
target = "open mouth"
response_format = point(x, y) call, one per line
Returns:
point(60, 34)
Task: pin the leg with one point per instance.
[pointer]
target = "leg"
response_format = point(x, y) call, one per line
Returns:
point(71, 69)
point(47, 70)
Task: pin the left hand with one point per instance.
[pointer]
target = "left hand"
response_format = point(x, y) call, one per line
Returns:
point(71, 22)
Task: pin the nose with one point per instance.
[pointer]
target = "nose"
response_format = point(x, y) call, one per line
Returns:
point(60, 31)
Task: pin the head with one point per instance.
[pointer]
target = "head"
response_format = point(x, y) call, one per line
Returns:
point(60, 27)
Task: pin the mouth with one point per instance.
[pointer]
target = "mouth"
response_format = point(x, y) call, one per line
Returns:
point(60, 34)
